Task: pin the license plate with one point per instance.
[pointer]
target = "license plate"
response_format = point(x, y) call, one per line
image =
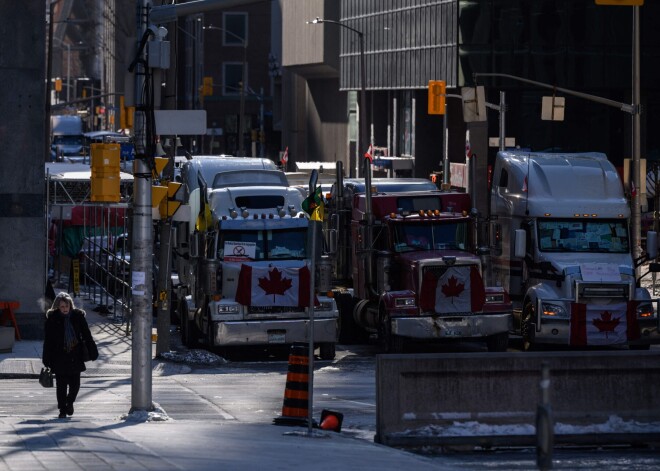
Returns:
point(276, 337)
point(453, 333)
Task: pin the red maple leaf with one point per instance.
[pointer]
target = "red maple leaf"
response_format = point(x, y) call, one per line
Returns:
point(606, 323)
point(275, 284)
point(453, 288)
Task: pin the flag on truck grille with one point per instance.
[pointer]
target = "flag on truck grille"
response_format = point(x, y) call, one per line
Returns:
point(273, 286)
point(603, 325)
point(456, 290)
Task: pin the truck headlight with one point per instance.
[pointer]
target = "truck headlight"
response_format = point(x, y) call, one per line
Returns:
point(645, 311)
point(404, 302)
point(228, 308)
point(554, 310)
point(495, 298)
point(324, 306)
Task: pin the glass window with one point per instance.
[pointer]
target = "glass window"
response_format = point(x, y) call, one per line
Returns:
point(425, 236)
point(235, 29)
point(568, 235)
point(233, 76)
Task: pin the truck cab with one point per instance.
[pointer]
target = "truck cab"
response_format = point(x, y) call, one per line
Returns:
point(560, 244)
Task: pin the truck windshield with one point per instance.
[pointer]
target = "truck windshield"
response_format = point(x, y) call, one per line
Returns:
point(569, 235)
point(428, 235)
point(263, 245)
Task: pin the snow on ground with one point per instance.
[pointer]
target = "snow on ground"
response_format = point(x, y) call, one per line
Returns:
point(197, 357)
point(472, 428)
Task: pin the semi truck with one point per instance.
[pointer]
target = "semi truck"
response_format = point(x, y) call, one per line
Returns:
point(242, 276)
point(66, 135)
point(407, 267)
point(560, 245)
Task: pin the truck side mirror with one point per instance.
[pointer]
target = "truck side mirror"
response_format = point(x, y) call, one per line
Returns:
point(652, 245)
point(520, 244)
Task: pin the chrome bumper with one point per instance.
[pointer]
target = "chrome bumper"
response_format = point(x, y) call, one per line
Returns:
point(273, 332)
point(434, 327)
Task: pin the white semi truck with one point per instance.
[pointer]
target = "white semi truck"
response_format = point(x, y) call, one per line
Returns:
point(560, 245)
point(242, 276)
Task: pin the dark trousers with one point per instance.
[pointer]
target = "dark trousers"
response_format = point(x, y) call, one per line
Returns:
point(67, 386)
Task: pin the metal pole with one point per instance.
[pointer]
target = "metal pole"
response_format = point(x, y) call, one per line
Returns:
point(262, 136)
point(312, 289)
point(241, 120)
point(362, 148)
point(142, 245)
point(502, 120)
point(445, 154)
point(68, 72)
point(49, 73)
point(636, 213)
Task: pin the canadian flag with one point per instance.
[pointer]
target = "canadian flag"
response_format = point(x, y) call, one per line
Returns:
point(603, 325)
point(285, 157)
point(369, 154)
point(458, 289)
point(273, 286)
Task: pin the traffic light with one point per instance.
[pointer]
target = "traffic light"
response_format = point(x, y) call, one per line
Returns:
point(58, 85)
point(163, 193)
point(105, 178)
point(437, 95)
point(126, 114)
point(207, 86)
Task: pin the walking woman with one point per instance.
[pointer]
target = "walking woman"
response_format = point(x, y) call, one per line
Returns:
point(65, 328)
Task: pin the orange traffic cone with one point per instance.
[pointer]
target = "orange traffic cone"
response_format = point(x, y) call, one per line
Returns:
point(331, 420)
point(296, 394)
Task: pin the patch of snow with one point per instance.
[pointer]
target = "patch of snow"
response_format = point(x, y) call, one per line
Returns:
point(156, 415)
point(614, 424)
point(198, 357)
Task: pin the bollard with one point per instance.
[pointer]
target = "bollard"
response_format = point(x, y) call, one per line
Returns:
point(544, 424)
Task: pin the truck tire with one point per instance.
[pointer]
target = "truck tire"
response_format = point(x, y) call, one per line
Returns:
point(210, 338)
point(498, 342)
point(349, 331)
point(327, 351)
point(390, 343)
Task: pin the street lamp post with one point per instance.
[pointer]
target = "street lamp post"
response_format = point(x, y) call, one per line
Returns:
point(243, 85)
point(363, 139)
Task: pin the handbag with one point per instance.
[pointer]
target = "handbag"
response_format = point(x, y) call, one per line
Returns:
point(46, 377)
point(89, 351)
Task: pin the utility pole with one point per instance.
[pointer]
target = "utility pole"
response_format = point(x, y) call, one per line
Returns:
point(142, 237)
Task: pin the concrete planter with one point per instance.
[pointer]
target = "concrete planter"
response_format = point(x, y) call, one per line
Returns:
point(6, 339)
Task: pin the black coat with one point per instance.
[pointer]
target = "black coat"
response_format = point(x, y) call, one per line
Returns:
point(54, 355)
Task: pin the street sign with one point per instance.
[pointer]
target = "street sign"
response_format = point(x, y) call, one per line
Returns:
point(552, 108)
point(474, 104)
point(508, 142)
point(126, 151)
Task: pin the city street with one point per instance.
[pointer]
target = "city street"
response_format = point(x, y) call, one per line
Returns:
point(203, 399)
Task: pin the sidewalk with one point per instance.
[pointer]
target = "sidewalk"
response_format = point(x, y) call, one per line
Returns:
point(95, 438)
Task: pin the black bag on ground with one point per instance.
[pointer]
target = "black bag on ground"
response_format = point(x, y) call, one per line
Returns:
point(89, 351)
point(46, 377)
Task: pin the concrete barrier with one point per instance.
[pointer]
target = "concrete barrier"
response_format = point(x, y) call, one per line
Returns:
point(414, 392)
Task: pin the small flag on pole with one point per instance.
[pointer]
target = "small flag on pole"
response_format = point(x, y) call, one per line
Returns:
point(468, 149)
point(285, 157)
point(369, 154)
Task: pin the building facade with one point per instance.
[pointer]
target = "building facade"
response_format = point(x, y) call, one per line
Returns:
point(579, 46)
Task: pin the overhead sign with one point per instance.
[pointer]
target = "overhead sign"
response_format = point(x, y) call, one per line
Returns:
point(474, 104)
point(552, 108)
point(180, 122)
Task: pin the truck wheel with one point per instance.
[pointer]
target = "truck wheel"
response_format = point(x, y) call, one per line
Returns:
point(349, 331)
point(498, 342)
point(390, 343)
point(327, 351)
point(526, 326)
point(210, 337)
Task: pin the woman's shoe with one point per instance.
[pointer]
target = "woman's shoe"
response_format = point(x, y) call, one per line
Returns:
point(69, 409)
point(62, 414)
